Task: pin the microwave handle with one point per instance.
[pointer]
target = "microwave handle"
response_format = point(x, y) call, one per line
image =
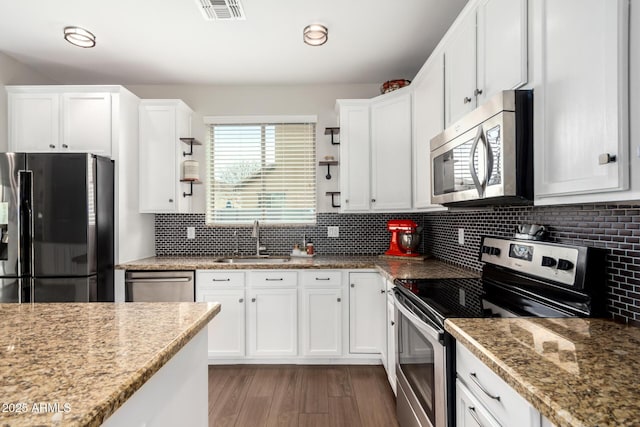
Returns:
point(489, 158)
point(474, 173)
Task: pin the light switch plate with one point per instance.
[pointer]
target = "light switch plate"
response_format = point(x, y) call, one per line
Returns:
point(333, 231)
point(191, 232)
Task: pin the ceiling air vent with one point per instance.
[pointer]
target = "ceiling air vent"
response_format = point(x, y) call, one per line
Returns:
point(221, 10)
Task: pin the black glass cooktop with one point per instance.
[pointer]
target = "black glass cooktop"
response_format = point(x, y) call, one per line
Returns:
point(446, 297)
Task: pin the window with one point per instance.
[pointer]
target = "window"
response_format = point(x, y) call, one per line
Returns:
point(262, 170)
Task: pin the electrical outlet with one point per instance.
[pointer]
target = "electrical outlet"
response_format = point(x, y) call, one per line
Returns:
point(461, 236)
point(191, 232)
point(462, 297)
point(333, 231)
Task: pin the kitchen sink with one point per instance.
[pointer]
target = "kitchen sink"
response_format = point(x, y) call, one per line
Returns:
point(252, 260)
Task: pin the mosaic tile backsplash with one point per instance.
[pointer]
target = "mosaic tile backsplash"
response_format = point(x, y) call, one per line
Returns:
point(614, 227)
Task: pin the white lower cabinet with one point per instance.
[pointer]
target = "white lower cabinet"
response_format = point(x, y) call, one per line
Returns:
point(321, 322)
point(296, 315)
point(226, 334)
point(391, 337)
point(482, 395)
point(273, 322)
point(366, 313)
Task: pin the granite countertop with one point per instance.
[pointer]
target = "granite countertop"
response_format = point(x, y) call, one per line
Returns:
point(391, 268)
point(576, 372)
point(86, 359)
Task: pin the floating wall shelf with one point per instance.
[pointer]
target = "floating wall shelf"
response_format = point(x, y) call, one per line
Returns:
point(328, 164)
point(191, 142)
point(333, 132)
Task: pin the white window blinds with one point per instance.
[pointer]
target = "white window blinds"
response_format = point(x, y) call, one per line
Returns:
point(263, 171)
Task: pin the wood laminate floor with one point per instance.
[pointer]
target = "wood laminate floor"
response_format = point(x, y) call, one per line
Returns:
point(304, 396)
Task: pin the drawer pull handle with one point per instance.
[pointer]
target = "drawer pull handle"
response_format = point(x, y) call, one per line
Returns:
point(474, 378)
point(474, 415)
point(279, 279)
point(221, 280)
point(323, 278)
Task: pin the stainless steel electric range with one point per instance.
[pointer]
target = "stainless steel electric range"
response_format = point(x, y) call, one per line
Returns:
point(519, 278)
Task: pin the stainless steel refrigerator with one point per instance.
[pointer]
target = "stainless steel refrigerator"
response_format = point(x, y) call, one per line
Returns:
point(56, 227)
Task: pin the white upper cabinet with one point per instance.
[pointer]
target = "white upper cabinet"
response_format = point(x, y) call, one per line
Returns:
point(86, 123)
point(391, 152)
point(34, 121)
point(428, 121)
point(581, 101)
point(502, 47)
point(460, 70)
point(162, 124)
point(354, 155)
point(375, 153)
point(49, 119)
point(486, 53)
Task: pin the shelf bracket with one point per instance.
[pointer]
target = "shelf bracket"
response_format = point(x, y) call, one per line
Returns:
point(333, 132)
point(328, 175)
point(191, 142)
point(333, 201)
point(190, 193)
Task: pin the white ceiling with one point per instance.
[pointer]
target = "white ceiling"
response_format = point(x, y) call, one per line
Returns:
point(169, 42)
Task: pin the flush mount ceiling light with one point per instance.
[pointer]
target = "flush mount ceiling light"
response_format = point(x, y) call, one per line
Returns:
point(79, 37)
point(315, 34)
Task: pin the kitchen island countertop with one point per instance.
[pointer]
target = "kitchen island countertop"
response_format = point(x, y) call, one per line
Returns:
point(74, 364)
point(576, 372)
point(390, 268)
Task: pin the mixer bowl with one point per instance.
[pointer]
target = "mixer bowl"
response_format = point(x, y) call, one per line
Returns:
point(408, 242)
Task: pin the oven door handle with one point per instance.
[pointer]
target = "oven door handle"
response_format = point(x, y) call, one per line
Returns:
point(428, 327)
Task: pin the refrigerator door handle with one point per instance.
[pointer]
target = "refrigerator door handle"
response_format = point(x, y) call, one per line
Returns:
point(25, 230)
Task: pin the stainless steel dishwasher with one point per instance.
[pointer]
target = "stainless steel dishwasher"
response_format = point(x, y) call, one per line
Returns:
point(159, 286)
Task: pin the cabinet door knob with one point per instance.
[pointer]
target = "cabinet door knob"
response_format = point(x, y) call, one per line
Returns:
point(373, 200)
point(393, 323)
point(339, 299)
point(241, 300)
point(467, 100)
point(346, 201)
point(477, 92)
point(353, 285)
point(52, 146)
point(65, 146)
point(382, 291)
point(253, 300)
point(605, 158)
point(170, 200)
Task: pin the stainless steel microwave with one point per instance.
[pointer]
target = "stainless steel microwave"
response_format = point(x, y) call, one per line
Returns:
point(486, 157)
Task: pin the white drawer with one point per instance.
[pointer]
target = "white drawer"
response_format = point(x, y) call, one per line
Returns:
point(272, 278)
point(216, 279)
point(506, 405)
point(321, 278)
point(469, 411)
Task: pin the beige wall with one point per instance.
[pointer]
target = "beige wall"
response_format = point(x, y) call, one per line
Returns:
point(264, 100)
point(13, 72)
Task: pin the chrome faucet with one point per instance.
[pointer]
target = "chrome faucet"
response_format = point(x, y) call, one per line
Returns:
point(255, 233)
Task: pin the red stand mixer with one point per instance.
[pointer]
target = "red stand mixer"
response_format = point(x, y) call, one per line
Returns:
point(405, 237)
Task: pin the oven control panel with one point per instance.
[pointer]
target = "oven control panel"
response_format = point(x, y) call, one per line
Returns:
point(547, 261)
